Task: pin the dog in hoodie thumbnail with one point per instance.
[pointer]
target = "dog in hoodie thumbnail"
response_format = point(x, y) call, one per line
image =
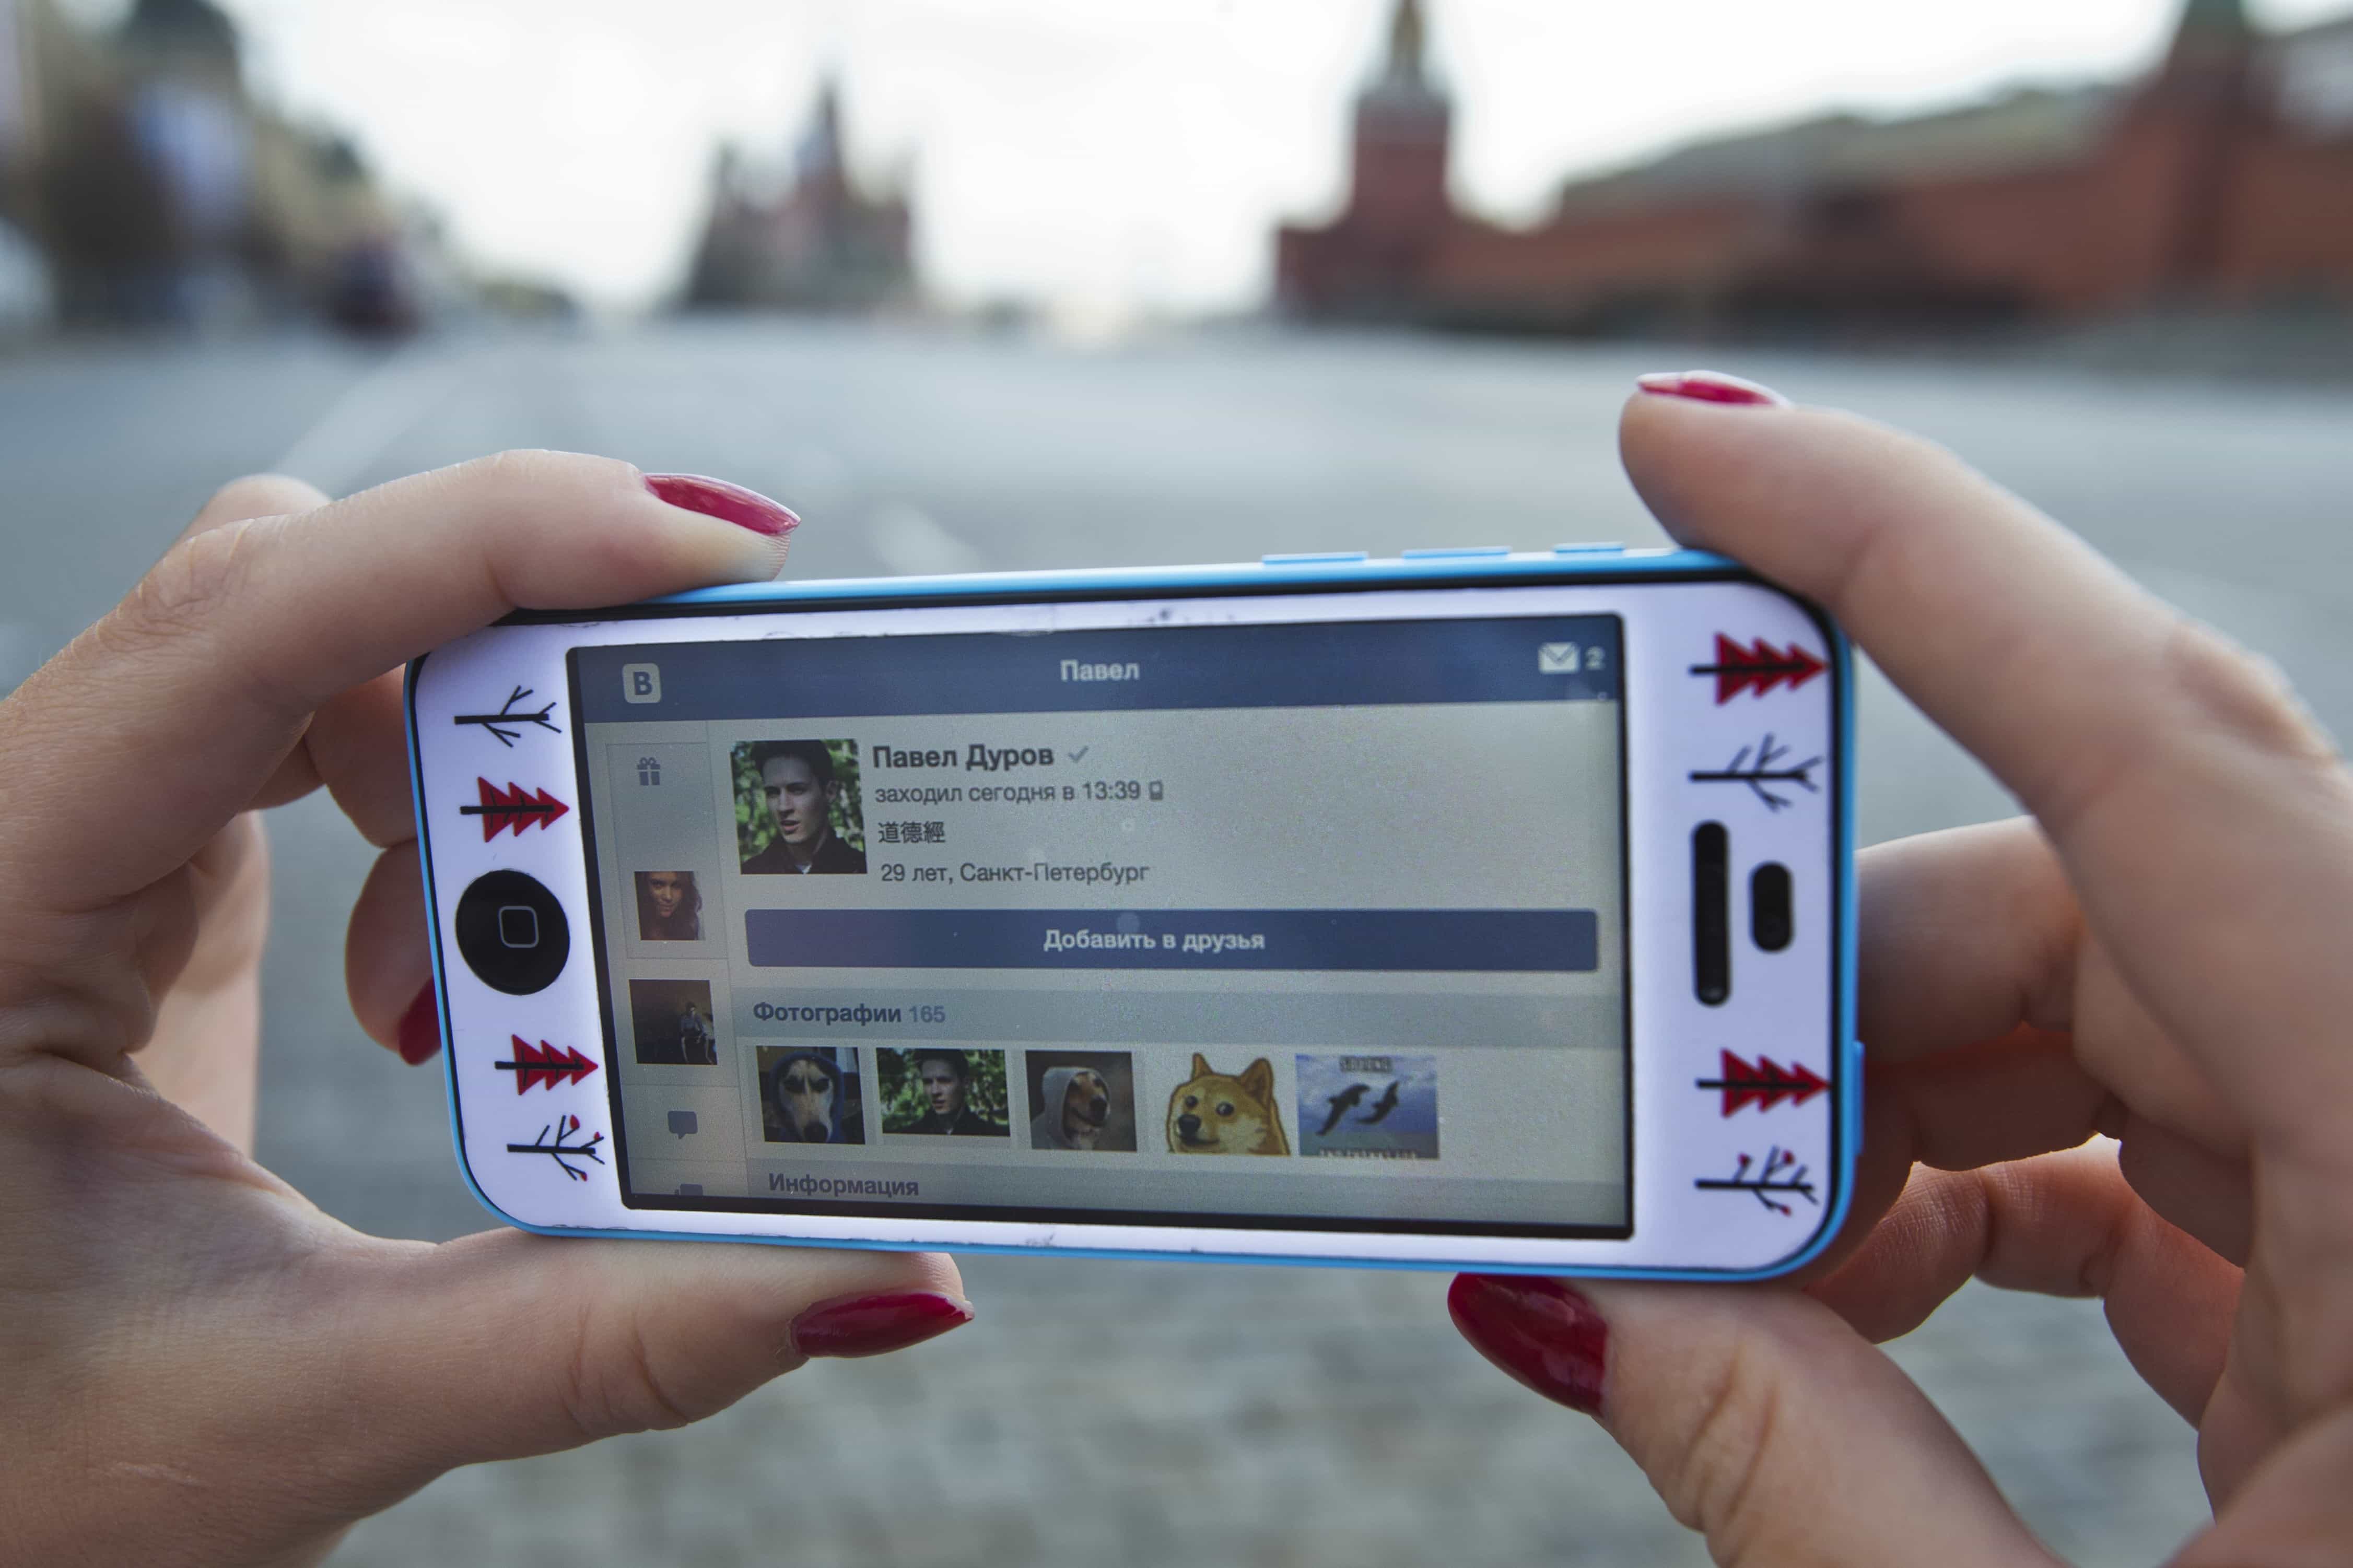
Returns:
point(1080, 1108)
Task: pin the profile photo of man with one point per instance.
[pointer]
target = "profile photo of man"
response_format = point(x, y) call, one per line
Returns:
point(931, 1090)
point(669, 907)
point(694, 1038)
point(800, 792)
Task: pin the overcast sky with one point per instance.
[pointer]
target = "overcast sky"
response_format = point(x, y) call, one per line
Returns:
point(1089, 154)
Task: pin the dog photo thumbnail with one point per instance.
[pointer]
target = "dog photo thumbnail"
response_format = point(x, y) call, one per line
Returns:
point(671, 1022)
point(810, 1094)
point(1084, 1101)
point(1221, 1113)
point(1368, 1107)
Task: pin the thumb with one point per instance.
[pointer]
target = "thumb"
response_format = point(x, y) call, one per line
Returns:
point(506, 1345)
point(1760, 1417)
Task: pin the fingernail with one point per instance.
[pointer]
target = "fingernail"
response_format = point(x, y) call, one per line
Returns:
point(872, 1325)
point(1538, 1331)
point(717, 497)
point(1712, 386)
point(420, 1029)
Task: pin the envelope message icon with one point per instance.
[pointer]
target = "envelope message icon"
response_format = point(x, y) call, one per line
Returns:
point(1556, 658)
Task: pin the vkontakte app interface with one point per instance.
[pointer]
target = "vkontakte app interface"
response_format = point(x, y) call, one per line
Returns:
point(1310, 925)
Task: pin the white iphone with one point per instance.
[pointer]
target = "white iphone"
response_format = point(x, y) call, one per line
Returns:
point(1467, 909)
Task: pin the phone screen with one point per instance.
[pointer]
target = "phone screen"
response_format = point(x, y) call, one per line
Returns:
point(1259, 924)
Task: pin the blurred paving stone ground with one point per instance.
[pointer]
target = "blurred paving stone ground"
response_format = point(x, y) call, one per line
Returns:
point(1101, 1414)
point(1133, 1415)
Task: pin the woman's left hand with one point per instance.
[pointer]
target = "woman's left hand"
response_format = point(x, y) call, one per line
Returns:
point(196, 1366)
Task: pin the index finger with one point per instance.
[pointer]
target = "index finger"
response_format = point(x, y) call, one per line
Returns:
point(133, 747)
point(2203, 819)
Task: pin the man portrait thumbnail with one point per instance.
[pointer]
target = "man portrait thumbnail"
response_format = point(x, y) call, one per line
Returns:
point(943, 1092)
point(810, 1094)
point(672, 1020)
point(797, 808)
point(669, 907)
point(1083, 1099)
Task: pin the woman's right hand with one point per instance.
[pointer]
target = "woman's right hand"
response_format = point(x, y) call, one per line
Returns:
point(2161, 953)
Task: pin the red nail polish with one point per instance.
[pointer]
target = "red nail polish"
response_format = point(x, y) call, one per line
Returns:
point(870, 1325)
point(717, 497)
point(420, 1029)
point(1539, 1331)
point(1712, 386)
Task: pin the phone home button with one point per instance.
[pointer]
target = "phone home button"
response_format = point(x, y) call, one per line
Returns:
point(512, 933)
point(518, 927)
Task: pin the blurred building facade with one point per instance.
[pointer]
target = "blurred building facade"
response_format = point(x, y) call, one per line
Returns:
point(139, 166)
point(2221, 181)
point(25, 297)
point(813, 242)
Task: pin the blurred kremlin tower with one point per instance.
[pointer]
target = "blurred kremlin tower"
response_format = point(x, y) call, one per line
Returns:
point(2220, 182)
point(817, 244)
point(1381, 258)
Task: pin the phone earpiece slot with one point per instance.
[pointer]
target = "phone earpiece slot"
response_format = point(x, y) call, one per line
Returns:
point(1712, 914)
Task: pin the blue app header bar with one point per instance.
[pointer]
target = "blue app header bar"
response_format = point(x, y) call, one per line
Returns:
point(1460, 941)
point(1544, 658)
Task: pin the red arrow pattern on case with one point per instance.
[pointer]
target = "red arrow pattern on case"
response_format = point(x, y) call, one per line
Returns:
point(513, 806)
point(1758, 667)
point(1765, 1084)
point(545, 1064)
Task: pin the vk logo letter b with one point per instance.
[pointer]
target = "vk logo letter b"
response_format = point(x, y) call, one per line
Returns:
point(641, 683)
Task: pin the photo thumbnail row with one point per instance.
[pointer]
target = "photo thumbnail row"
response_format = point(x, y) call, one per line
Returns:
point(1085, 1102)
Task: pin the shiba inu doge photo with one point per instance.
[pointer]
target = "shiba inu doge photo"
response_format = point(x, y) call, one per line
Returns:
point(1211, 1113)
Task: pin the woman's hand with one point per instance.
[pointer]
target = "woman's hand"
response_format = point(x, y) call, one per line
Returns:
point(2159, 954)
point(197, 1367)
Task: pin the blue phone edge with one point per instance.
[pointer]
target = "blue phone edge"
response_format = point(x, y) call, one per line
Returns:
point(1434, 569)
